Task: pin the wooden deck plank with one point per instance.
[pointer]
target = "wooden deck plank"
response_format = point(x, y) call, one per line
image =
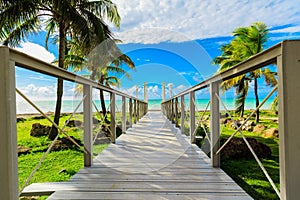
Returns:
point(151, 161)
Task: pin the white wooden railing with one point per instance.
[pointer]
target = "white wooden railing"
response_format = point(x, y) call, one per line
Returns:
point(286, 56)
point(9, 59)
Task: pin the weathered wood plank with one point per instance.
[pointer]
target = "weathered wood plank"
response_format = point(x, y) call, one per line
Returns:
point(152, 161)
point(144, 195)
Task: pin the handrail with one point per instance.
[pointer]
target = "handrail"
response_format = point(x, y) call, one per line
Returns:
point(267, 57)
point(286, 57)
point(11, 58)
point(26, 61)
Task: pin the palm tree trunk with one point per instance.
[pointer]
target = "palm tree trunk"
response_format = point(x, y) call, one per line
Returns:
point(242, 110)
point(62, 50)
point(103, 106)
point(256, 99)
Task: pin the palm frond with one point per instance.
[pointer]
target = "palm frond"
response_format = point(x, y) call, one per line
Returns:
point(106, 9)
point(51, 27)
point(274, 105)
point(270, 77)
point(14, 36)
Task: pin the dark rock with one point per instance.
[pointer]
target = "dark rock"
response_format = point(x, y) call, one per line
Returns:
point(118, 131)
point(65, 143)
point(22, 150)
point(102, 138)
point(224, 115)
point(39, 117)
point(21, 119)
point(96, 121)
point(74, 123)
point(38, 130)
point(224, 121)
point(237, 149)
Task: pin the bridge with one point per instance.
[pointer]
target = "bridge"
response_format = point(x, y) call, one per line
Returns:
point(154, 159)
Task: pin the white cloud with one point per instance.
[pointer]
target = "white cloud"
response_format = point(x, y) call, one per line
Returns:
point(287, 30)
point(179, 88)
point(36, 51)
point(35, 92)
point(153, 21)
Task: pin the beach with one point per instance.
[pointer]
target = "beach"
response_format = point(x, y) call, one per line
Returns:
point(68, 106)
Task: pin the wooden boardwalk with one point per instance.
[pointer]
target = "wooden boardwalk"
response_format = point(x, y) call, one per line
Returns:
point(151, 161)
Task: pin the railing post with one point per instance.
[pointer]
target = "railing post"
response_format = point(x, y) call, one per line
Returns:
point(176, 111)
point(170, 88)
point(88, 125)
point(215, 124)
point(172, 110)
point(192, 117)
point(8, 133)
point(138, 110)
point(182, 117)
point(123, 114)
point(113, 117)
point(163, 92)
point(145, 92)
point(134, 111)
point(289, 138)
point(130, 112)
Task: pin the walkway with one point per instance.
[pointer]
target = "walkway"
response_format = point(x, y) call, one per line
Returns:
point(149, 162)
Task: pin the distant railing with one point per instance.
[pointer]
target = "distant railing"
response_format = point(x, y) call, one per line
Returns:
point(9, 59)
point(286, 57)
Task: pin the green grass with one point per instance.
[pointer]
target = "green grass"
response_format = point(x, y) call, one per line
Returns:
point(59, 165)
point(247, 172)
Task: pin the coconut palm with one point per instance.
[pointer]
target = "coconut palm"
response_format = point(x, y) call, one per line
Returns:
point(104, 68)
point(228, 59)
point(247, 41)
point(82, 19)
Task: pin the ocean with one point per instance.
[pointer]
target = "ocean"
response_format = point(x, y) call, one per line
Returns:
point(154, 104)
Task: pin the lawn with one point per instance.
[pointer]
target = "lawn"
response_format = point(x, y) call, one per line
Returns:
point(246, 172)
point(58, 165)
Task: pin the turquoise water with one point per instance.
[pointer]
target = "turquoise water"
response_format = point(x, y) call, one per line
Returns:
point(70, 105)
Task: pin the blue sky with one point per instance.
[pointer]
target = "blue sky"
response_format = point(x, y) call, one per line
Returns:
point(172, 41)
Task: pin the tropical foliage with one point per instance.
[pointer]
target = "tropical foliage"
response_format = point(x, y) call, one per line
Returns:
point(105, 68)
point(247, 41)
point(82, 19)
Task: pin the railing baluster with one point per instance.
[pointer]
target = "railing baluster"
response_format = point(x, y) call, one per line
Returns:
point(8, 135)
point(192, 117)
point(182, 117)
point(88, 125)
point(134, 111)
point(215, 124)
point(113, 117)
point(130, 112)
point(138, 110)
point(123, 114)
point(176, 112)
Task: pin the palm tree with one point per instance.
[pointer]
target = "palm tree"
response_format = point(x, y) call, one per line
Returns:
point(229, 58)
point(248, 41)
point(104, 76)
point(251, 41)
point(82, 19)
point(104, 68)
